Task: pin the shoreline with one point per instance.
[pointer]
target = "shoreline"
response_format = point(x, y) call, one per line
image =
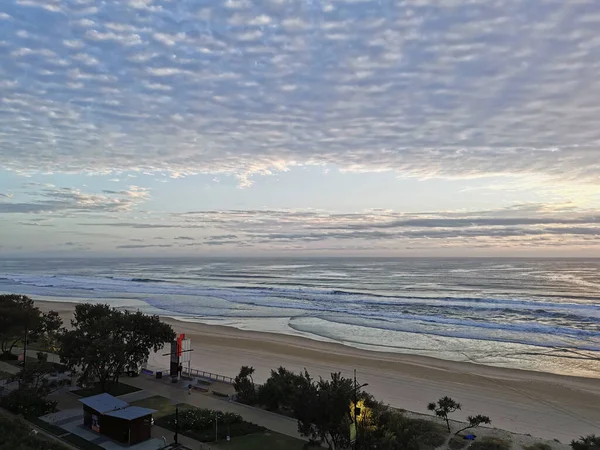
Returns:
point(527, 402)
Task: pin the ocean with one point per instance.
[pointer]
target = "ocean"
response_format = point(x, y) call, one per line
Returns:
point(534, 314)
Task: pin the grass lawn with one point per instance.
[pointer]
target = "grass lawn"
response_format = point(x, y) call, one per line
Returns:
point(112, 389)
point(5, 375)
point(259, 441)
point(17, 435)
point(162, 405)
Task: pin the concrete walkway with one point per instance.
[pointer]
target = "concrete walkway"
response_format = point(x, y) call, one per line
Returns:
point(178, 392)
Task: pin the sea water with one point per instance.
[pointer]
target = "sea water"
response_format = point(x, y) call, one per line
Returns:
point(535, 314)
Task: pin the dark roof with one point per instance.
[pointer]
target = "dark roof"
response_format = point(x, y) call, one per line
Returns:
point(131, 412)
point(104, 403)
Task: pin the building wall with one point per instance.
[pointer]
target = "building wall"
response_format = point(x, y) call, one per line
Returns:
point(140, 429)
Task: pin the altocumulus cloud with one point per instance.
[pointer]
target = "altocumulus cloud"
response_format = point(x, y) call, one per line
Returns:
point(427, 88)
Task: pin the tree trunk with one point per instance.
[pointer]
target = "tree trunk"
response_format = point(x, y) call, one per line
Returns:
point(448, 425)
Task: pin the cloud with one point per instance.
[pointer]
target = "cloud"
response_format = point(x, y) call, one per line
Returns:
point(424, 88)
point(135, 246)
point(51, 199)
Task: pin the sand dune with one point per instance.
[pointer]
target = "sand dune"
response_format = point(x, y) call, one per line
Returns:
point(543, 405)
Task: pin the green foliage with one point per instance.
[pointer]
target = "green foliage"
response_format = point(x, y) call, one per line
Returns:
point(35, 376)
point(27, 402)
point(475, 421)
point(244, 386)
point(279, 392)
point(16, 435)
point(429, 434)
point(458, 443)
point(105, 341)
point(323, 409)
point(591, 442)
point(392, 430)
point(538, 446)
point(19, 315)
point(490, 443)
point(443, 408)
point(200, 423)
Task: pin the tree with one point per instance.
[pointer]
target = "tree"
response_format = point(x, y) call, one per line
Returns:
point(51, 329)
point(104, 341)
point(444, 406)
point(475, 421)
point(27, 402)
point(19, 316)
point(277, 394)
point(244, 386)
point(591, 442)
point(323, 409)
point(36, 376)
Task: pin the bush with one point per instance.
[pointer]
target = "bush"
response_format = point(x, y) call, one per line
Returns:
point(430, 435)
point(489, 443)
point(28, 403)
point(457, 443)
point(220, 394)
point(199, 424)
point(591, 442)
point(538, 446)
point(237, 429)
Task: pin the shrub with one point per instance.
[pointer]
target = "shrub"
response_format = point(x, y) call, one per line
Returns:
point(430, 435)
point(538, 446)
point(199, 424)
point(17, 435)
point(490, 443)
point(28, 403)
point(591, 442)
point(244, 386)
point(457, 443)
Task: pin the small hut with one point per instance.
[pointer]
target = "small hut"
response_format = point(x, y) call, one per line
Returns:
point(116, 419)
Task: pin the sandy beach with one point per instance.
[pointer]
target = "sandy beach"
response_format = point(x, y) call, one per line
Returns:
point(543, 405)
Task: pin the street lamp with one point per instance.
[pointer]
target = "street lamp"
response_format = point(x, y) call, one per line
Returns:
point(356, 408)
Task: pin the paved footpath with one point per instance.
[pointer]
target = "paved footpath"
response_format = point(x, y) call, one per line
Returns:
point(179, 393)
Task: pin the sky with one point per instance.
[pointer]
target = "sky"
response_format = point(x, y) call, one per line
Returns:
point(300, 127)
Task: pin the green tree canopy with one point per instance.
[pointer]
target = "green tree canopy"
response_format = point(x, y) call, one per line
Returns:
point(323, 409)
point(279, 392)
point(591, 442)
point(443, 408)
point(105, 341)
point(18, 315)
point(244, 386)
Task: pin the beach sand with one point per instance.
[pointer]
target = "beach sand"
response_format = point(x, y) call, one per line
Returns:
point(543, 405)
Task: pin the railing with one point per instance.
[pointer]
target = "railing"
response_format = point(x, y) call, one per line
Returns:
point(207, 375)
